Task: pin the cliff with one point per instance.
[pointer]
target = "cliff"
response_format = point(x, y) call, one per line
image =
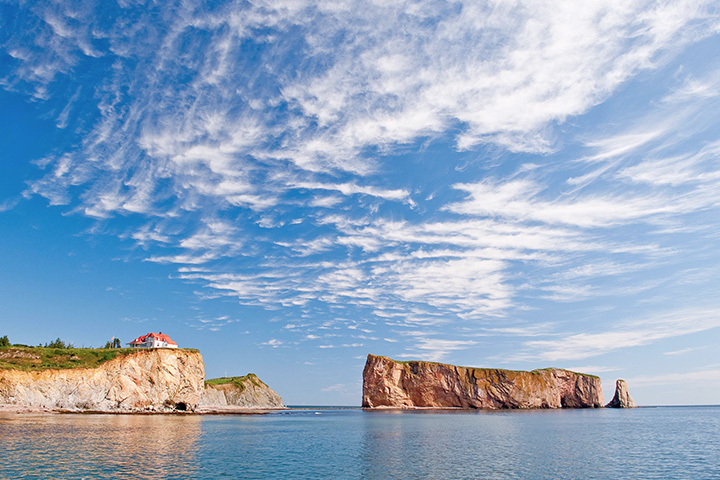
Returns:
point(156, 380)
point(246, 392)
point(622, 398)
point(391, 384)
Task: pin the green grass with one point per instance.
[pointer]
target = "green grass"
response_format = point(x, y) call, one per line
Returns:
point(576, 373)
point(536, 371)
point(18, 357)
point(238, 382)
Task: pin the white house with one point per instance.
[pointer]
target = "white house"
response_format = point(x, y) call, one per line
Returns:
point(153, 340)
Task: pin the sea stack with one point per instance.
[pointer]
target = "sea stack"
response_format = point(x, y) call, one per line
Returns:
point(622, 398)
point(416, 384)
point(246, 392)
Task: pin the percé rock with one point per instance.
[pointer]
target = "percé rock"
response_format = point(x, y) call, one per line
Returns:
point(622, 398)
point(391, 384)
point(247, 392)
point(156, 380)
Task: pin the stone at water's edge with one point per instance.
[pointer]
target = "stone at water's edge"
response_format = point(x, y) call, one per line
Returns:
point(622, 398)
point(153, 380)
point(249, 392)
point(391, 384)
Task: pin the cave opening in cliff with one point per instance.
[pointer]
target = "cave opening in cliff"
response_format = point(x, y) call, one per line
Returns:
point(182, 406)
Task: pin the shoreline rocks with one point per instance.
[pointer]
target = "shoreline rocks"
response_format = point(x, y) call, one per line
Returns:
point(416, 384)
point(146, 381)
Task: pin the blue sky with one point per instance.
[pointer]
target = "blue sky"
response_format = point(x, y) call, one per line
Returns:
point(289, 186)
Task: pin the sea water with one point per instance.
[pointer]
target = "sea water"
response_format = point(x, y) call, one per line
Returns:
point(643, 443)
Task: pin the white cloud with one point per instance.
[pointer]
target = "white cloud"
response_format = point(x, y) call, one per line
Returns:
point(347, 390)
point(183, 258)
point(212, 324)
point(273, 342)
point(701, 167)
point(628, 334)
point(534, 330)
point(352, 188)
point(521, 200)
point(683, 351)
point(491, 74)
point(325, 201)
point(702, 377)
point(694, 88)
point(8, 204)
point(256, 168)
point(62, 120)
point(435, 350)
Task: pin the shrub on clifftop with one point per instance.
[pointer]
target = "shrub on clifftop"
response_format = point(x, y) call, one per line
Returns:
point(57, 343)
point(4, 342)
point(114, 343)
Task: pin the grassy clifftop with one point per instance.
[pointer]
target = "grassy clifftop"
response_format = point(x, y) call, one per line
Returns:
point(43, 358)
point(238, 382)
point(409, 363)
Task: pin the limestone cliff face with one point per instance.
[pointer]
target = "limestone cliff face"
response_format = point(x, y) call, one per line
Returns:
point(391, 384)
point(247, 392)
point(622, 398)
point(147, 380)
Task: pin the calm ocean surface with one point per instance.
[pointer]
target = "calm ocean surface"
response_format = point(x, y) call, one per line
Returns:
point(643, 443)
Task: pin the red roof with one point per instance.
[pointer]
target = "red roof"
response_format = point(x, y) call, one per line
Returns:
point(159, 336)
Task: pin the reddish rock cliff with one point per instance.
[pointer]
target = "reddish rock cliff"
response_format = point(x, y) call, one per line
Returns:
point(391, 384)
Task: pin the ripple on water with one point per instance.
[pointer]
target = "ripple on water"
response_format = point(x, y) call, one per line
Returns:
point(646, 443)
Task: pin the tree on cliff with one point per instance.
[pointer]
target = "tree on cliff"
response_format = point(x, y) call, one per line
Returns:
point(113, 343)
point(57, 343)
point(4, 342)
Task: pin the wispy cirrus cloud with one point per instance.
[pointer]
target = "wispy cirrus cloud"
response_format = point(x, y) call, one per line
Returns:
point(629, 334)
point(683, 351)
point(435, 349)
point(223, 133)
point(702, 377)
point(257, 142)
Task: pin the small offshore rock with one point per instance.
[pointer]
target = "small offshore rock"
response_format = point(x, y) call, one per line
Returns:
point(622, 398)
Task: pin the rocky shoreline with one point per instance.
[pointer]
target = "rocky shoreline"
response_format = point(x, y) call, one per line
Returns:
point(143, 381)
point(172, 381)
point(201, 410)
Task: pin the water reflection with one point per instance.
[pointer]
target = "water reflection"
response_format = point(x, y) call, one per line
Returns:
point(99, 446)
point(595, 444)
point(482, 444)
point(667, 443)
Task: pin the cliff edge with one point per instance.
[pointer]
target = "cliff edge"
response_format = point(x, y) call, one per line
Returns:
point(416, 384)
point(246, 392)
point(155, 380)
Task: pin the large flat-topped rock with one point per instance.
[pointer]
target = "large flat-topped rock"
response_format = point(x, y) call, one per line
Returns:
point(391, 384)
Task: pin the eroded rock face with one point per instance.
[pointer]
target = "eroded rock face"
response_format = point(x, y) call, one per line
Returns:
point(622, 398)
point(154, 380)
point(391, 384)
point(250, 392)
